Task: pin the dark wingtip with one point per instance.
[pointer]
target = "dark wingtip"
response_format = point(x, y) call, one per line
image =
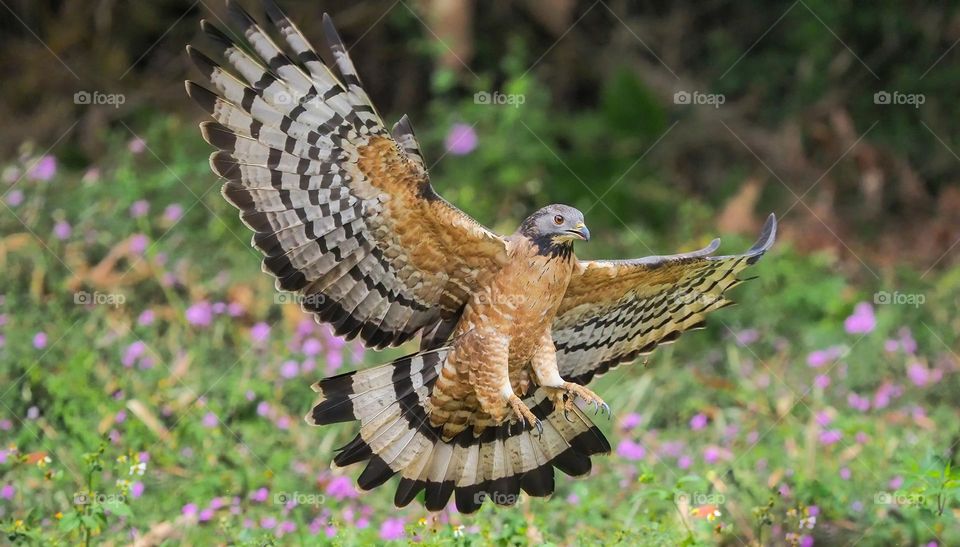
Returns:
point(203, 96)
point(767, 236)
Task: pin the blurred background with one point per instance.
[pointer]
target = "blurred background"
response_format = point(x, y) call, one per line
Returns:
point(152, 383)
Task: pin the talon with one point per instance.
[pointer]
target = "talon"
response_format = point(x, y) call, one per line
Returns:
point(539, 426)
point(606, 409)
point(566, 416)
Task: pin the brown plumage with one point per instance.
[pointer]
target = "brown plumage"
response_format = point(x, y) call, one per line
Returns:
point(512, 328)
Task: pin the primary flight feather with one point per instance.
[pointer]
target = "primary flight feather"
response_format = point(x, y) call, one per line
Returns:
point(511, 327)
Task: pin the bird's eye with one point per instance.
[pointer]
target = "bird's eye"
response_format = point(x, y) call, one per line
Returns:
point(558, 220)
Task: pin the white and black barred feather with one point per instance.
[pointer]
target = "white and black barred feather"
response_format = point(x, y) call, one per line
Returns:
point(396, 437)
point(337, 203)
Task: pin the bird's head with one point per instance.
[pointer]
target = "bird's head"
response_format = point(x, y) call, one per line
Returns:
point(555, 228)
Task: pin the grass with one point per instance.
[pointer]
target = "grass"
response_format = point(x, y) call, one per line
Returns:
point(152, 385)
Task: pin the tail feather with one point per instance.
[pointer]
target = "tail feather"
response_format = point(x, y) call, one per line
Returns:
point(396, 438)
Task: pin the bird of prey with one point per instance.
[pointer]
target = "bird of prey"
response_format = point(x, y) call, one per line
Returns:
point(512, 328)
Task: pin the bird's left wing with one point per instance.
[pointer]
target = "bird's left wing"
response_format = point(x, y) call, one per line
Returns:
point(616, 310)
point(342, 209)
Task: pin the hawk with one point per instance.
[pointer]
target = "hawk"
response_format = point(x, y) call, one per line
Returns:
point(512, 328)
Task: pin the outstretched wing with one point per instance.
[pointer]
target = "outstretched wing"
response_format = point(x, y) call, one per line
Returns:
point(615, 310)
point(342, 210)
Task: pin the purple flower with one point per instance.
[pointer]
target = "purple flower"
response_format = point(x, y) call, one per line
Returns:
point(268, 523)
point(461, 139)
point(684, 462)
point(747, 337)
point(918, 374)
point(263, 408)
point(14, 198)
point(630, 421)
point(189, 509)
point(210, 420)
point(630, 450)
point(260, 495)
point(62, 230)
point(823, 418)
point(698, 422)
point(711, 454)
point(830, 437)
point(136, 145)
point(40, 340)
point(311, 347)
point(7, 492)
point(896, 482)
point(341, 487)
point(822, 381)
point(391, 529)
point(287, 527)
point(907, 342)
point(891, 346)
point(139, 208)
point(138, 243)
point(845, 473)
point(806, 541)
point(133, 352)
point(289, 369)
point(205, 515)
point(146, 318)
point(44, 169)
point(200, 314)
point(173, 212)
point(862, 437)
point(858, 403)
point(120, 417)
point(813, 510)
point(260, 332)
point(862, 321)
point(136, 490)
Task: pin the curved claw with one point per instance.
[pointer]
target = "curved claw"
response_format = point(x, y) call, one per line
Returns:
point(596, 407)
point(604, 407)
point(539, 426)
point(566, 416)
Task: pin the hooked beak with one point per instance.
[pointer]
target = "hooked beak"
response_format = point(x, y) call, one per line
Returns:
point(581, 231)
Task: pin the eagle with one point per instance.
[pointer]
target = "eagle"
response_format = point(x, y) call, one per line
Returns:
point(512, 328)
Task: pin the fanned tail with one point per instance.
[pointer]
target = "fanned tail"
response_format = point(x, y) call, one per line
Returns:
point(390, 402)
